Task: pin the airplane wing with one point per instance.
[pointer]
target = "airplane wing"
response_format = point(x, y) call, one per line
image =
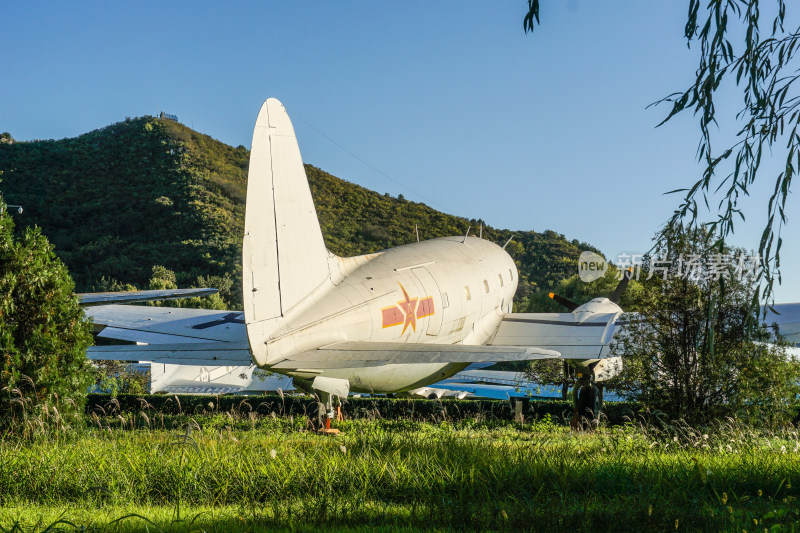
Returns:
point(573, 335)
point(339, 355)
point(207, 379)
point(496, 384)
point(166, 325)
point(172, 335)
point(202, 337)
point(494, 392)
point(104, 298)
point(363, 354)
point(188, 353)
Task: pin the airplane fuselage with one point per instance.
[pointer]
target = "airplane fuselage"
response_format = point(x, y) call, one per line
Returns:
point(443, 291)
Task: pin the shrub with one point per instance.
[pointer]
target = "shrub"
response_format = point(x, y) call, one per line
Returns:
point(43, 332)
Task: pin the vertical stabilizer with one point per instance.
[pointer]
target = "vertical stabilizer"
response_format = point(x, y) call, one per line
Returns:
point(283, 254)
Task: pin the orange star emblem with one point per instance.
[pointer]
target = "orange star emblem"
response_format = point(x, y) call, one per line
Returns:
point(409, 307)
point(407, 311)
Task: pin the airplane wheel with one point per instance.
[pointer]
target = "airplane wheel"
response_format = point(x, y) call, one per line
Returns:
point(589, 402)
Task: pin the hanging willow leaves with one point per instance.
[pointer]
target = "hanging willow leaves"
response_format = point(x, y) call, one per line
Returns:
point(756, 56)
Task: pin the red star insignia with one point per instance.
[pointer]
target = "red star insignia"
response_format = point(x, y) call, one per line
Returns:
point(409, 307)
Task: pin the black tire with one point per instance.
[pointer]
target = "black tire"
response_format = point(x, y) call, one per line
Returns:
point(589, 402)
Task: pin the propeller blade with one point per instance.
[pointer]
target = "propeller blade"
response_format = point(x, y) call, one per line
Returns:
point(623, 284)
point(569, 304)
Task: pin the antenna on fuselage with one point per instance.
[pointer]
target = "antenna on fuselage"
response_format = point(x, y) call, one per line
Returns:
point(480, 232)
point(416, 230)
point(508, 241)
point(467, 235)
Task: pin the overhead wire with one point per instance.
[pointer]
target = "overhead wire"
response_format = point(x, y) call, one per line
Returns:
point(429, 201)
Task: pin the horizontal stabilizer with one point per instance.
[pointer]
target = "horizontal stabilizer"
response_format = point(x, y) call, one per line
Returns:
point(363, 354)
point(199, 353)
point(105, 298)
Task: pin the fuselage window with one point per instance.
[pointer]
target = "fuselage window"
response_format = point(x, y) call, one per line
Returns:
point(469, 294)
point(445, 301)
point(510, 275)
point(486, 285)
point(501, 279)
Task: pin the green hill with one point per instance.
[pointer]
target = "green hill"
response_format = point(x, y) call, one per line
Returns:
point(147, 192)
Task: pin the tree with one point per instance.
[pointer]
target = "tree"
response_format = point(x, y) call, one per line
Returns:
point(43, 331)
point(694, 349)
point(737, 54)
point(580, 292)
point(117, 377)
point(165, 279)
point(554, 372)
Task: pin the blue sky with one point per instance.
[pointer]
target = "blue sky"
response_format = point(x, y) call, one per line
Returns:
point(449, 98)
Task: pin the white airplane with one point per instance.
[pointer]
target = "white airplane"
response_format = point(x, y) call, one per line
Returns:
point(392, 321)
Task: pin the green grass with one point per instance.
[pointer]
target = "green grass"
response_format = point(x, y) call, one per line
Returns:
point(130, 518)
point(246, 473)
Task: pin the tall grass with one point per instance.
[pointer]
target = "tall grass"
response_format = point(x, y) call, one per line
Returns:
point(272, 472)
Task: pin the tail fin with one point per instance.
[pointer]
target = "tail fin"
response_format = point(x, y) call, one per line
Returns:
point(283, 254)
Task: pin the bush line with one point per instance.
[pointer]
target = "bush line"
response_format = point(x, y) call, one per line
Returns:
point(453, 410)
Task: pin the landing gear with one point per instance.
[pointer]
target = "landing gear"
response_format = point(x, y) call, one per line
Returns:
point(588, 402)
point(326, 412)
point(326, 389)
point(568, 373)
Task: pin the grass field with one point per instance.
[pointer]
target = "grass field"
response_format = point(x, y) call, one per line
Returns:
point(229, 472)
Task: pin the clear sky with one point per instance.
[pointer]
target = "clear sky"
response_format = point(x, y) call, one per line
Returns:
point(450, 99)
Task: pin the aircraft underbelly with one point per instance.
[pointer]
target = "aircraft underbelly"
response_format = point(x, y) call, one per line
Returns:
point(394, 378)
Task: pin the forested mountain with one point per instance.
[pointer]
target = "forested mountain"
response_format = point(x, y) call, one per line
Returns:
point(137, 201)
